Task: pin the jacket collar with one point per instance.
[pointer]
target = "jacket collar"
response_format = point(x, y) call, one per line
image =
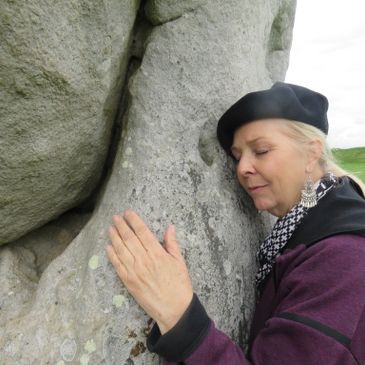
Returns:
point(342, 210)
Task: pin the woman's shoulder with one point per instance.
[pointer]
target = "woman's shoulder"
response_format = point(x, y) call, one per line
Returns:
point(341, 250)
point(343, 246)
point(325, 282)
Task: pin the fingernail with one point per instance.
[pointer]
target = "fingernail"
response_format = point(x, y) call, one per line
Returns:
point(116, 218)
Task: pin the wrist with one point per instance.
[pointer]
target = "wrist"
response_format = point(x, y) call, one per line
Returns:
point(184, 338)
point(170, 320)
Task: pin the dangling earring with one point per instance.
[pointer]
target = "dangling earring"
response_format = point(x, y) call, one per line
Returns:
point(309, 196)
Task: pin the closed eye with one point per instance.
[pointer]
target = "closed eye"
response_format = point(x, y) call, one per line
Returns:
point(259, 153)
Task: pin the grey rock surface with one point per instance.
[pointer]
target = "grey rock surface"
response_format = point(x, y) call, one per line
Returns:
point(23, 262)
point(169, 168)
point(62, 69)
point(162, 11)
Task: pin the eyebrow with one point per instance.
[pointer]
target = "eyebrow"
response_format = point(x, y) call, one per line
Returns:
point(249, 142)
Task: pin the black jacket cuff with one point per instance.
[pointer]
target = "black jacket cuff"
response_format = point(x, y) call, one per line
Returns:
point(183, 339)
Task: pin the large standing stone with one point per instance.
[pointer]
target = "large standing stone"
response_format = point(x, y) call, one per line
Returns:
point(169, 168)
point(62, 68)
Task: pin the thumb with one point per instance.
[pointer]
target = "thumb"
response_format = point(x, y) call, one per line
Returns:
point(171, 245)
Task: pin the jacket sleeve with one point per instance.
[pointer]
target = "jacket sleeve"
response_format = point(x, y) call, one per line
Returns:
point(195, 340)
point(282, 342)
point(312, 324)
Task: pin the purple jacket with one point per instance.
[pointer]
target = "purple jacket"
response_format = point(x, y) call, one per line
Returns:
point(311, 311)
point(315, 316)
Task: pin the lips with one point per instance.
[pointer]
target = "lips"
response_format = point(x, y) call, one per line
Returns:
point(256, 188)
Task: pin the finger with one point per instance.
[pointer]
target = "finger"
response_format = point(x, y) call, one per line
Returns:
point(118, 266)
point(122, 252)
point(128, 237)
point(171, 244)
point(145, 236)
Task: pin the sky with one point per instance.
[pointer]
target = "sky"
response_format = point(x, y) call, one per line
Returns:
point(328, 55)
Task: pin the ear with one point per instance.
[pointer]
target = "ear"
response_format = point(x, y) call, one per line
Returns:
point(314, 155)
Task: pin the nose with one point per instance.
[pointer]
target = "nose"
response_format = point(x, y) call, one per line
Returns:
point(245, 166)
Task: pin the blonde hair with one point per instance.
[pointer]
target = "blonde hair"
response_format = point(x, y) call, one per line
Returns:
point(304, 133)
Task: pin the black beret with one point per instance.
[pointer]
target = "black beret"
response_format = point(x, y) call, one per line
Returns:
point(282, 100)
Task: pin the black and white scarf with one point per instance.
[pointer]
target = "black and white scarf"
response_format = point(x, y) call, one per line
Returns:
point(284, 228)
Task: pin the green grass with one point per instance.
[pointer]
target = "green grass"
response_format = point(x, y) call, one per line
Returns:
point(352, 160)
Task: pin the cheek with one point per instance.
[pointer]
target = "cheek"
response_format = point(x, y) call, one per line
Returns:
point(269, 171)
point(284, 181)
point(290, 183)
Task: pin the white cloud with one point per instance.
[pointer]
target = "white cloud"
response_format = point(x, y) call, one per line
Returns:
point(328, 55)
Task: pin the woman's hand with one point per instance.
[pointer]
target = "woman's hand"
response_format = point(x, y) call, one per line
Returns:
point(156, 276)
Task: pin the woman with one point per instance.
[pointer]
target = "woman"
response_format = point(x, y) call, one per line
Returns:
point(311, 277)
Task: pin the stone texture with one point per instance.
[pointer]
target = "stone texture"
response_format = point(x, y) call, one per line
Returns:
point(169, 168)
point(162, 11)
point(62, 69)
point(277, 58)
point(23, 262)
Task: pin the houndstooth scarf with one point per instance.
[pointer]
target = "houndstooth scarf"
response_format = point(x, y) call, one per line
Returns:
point(283, 229)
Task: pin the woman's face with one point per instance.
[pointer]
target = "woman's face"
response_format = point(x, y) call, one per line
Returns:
point(271, 166)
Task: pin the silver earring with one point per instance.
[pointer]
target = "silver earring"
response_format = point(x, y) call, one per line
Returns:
point(309, 196)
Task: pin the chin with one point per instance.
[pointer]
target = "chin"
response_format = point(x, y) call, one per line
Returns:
point(263, 205)
point(268, 208)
